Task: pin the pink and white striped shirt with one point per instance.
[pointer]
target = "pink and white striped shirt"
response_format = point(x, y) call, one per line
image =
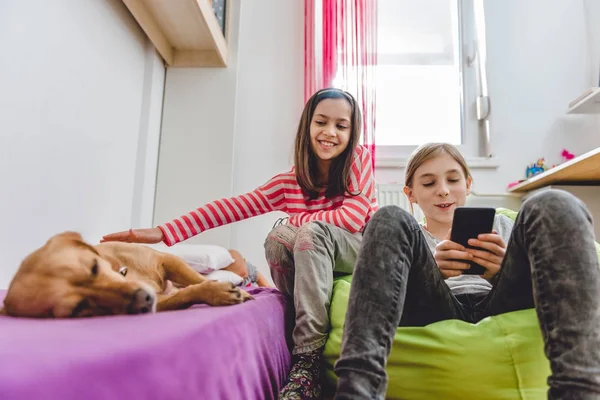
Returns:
point(282, 193)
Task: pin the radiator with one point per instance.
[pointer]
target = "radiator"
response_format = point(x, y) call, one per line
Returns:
point(393, 194)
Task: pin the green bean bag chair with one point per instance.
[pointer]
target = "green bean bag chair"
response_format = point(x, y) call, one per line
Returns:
point(500, 357)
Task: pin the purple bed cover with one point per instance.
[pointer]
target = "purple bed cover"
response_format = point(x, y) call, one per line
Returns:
point(237, 352)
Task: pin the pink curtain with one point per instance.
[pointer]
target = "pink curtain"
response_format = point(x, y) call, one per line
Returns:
point(340, 50)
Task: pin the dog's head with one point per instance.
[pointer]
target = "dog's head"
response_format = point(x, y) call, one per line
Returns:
point(68, 278)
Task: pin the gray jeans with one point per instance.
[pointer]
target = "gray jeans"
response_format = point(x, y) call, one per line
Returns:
point(302, 262)
point(550, 264)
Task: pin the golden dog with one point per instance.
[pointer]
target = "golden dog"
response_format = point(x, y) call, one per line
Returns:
point(70, 278)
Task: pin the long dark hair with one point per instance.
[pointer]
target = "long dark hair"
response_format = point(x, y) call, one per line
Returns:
point(305, 160)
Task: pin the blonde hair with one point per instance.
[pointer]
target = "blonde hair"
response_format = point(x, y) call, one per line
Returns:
point(429, 151)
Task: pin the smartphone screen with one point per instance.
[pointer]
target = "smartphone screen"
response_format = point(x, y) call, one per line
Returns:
point(468, 223)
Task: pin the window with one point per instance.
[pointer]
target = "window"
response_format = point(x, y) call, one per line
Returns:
point(427, 76)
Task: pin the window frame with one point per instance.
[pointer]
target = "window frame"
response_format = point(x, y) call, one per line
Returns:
point(474, 102)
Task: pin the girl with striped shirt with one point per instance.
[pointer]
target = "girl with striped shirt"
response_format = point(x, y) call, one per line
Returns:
point(329, 196)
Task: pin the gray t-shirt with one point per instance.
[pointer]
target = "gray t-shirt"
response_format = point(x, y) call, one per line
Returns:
point(252, 275)
point(464, 284)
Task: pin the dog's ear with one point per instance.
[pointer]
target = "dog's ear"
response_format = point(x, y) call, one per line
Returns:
point(67, 235)
point(86, 246)
point(3, 311)
point(71, 238)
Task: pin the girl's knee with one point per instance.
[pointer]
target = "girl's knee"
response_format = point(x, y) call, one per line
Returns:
point(552, 201)
point(392, 212)
point(393, 216)
point(308, 234)
point(279, 246)
point(283, 234)
point(556, 207)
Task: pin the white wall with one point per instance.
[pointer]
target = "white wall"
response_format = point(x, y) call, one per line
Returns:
point(592, 14)
point(196, 150)
point(228, 130)
point(146, 166)
point(269, 104)
point(80, 90)
point(540, 55)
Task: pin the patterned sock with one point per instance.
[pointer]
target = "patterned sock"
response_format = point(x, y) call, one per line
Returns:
point(304, 379)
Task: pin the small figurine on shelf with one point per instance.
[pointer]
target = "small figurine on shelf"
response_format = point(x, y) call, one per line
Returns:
point(540, 166)
point(536, 168)
point(515, 183)
point(566, 156)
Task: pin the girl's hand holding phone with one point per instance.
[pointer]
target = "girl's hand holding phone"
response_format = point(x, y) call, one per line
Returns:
point(448, 255)
point(491, 257)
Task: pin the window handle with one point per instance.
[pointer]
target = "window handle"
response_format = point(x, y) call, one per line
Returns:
point(471, 54)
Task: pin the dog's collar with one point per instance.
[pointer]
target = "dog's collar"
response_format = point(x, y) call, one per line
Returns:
point(123, 270)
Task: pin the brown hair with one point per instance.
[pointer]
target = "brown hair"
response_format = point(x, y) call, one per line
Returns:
point(430, 151)
point(305, 161)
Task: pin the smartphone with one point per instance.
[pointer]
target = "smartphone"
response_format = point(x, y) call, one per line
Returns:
point(468, 223)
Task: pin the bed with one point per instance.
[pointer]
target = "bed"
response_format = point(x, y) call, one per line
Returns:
point(237, 352)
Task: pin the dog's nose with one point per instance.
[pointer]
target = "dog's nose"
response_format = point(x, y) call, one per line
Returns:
point(141, 302)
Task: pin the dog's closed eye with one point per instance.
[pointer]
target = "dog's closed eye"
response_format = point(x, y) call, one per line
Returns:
point(95, 268)
point(123, 271)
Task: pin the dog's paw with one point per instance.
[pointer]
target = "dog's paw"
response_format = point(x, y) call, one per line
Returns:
point(246, 296)
point(224, 294)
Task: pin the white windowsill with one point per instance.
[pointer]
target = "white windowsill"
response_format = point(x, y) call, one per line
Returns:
point(472, 162)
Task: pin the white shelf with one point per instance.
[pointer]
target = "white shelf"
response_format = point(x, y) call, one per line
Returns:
point(587, 103)
point(584, 169)
point(186, 33)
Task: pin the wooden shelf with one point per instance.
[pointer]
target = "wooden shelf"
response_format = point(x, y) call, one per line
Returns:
point(582, 169)
point(186, 33)
point(587, 103)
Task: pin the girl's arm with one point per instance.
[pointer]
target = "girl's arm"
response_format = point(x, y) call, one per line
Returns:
point(351, 215)
point(262, 281)
point(222, 212)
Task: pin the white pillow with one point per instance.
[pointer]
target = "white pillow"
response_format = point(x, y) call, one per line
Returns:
point(204, 258)
point(225, 276)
